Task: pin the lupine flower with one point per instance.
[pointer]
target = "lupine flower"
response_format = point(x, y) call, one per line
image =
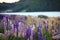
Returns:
point(46, 27)
point(23, 34)
point(28, 33)
point(39, 34)
point(12, 27)
point(58, 26)
point(34, 36)
point(32, 27)
point(8, 33)
point(4, 24)
point(20, 26)
point(44, 37)
point(58, 31)
point(39, 25)
point(16, 26)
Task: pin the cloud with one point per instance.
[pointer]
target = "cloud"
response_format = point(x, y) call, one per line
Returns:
point(9, 1)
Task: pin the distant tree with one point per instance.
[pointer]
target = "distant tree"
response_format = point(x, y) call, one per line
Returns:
point(42, 16)
point(3, 2)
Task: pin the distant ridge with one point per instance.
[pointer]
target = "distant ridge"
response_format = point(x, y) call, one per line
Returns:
point(31, 6)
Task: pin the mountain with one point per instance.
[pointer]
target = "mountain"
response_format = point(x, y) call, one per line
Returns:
point(31, 6)
point(4, 6)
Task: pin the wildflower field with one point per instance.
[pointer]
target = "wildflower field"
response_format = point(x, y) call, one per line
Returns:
point(21, 27)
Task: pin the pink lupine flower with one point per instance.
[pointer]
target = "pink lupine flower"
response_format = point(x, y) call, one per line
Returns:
point(19, 26)
point(12, 28)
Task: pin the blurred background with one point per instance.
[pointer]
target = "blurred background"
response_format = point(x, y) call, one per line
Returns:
point(29, 5)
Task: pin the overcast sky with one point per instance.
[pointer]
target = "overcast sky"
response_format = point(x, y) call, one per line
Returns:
point(8, 1)
point(50, 14)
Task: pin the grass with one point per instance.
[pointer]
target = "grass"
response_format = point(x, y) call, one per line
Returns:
point(48, 35)
point(1, 30)
point(11, 37)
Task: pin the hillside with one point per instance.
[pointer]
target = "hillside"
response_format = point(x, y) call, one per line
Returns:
point(31, 6)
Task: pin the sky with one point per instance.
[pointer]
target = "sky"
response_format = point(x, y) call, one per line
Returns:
point(49, 14)
point(8, 1)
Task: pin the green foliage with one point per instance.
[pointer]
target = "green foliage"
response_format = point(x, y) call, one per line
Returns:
point(48, 35)
point(1, 30)
point(2, 37)
point(11, 37)
point(21, 38)
point(36, 34)
point(8, 28)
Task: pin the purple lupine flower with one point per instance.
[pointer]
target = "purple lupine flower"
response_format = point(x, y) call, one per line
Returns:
point(39, 25)
point(24, 33)
point(39, 34)
point(16, 26)
point(12, 28)
point(31, 32)
point(58, 31)
point(46, 27)
point(20, 26)
point(32, 27)
point(44, 37)
point(4, 24)
point(28, 33)
point(58, 25)
point(6, 32)
point(34, 36)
